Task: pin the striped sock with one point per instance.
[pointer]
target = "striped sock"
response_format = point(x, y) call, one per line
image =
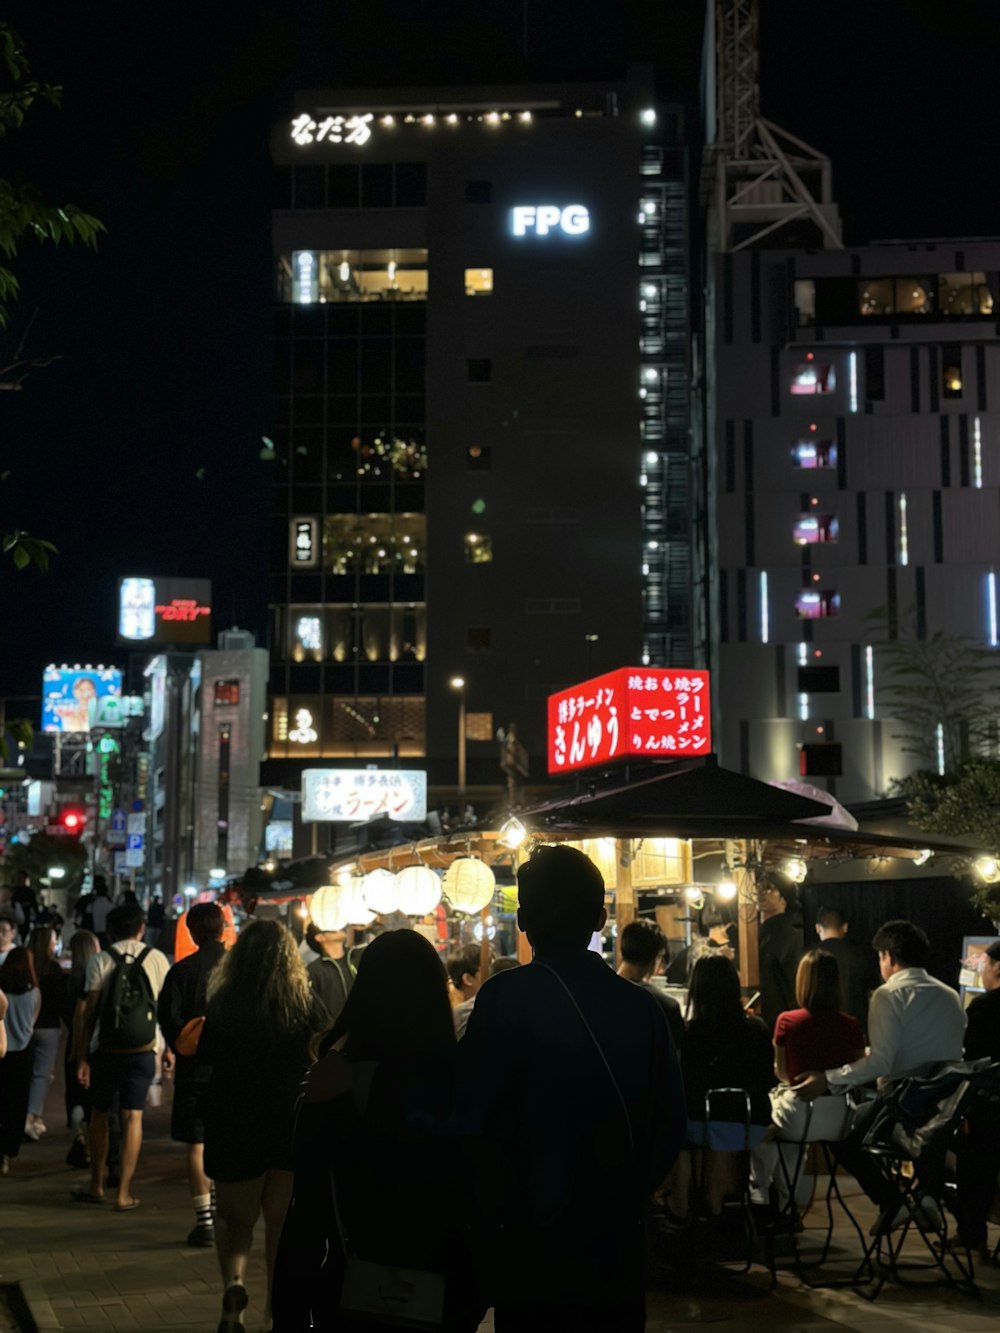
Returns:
point(203, 1209)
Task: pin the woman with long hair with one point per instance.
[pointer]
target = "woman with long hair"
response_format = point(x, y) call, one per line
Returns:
point(52, 985)
point(724, 1047)
point(368, 1201)
point(261, 1020)
point(817, 1035)
point(23, 1003)
point(82, 947)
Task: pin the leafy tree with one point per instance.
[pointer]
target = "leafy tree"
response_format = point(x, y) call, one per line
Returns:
point(20, 731)
point(43, 853)
point(25, 216)
point(945, 681)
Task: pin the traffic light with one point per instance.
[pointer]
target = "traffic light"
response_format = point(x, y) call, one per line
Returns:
point(73, 821)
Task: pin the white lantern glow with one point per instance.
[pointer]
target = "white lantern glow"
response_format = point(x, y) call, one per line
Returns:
point(356, 909)
point(379, 890)
point(326, 907)
point(469, 884)
point(418, 890)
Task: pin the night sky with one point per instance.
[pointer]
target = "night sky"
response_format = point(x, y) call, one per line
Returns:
point(137, 452)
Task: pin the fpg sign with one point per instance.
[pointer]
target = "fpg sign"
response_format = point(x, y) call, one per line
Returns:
point(544, 219)
point(632, 713)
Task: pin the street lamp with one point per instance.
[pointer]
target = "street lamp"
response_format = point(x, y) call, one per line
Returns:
point(458, 683)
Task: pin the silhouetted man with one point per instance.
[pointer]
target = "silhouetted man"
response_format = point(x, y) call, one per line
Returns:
point(978, 1150)
point(780, 948)
point(569, 1072)
point(856, 966)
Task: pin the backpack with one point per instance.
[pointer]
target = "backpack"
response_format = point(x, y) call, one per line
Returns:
point(919, 1115)
point(128, 1007)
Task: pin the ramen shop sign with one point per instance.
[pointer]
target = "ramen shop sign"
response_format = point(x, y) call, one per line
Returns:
point(635, 712)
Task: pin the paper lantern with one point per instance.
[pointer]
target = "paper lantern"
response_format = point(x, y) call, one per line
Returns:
point(357, 910)
point(418, 891)
point(327, 908)
point(469, 884)
point(379, 891)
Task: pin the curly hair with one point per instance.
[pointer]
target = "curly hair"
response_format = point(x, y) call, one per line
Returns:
point(262, 981)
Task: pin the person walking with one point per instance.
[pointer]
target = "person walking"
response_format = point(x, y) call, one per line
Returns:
point(52, 985)
point(8, 936)
point(117, 1055)
point(261, 1018)
point(181, 1010)
point(100, 910)
point(23, 1003)
point(567, 1070)
point(82, 947)
point(384, 1211)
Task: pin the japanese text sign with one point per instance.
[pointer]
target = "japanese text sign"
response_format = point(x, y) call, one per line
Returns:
point(635, 712)
point(352, 795)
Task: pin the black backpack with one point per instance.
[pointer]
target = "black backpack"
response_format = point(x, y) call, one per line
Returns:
point(128, 1007)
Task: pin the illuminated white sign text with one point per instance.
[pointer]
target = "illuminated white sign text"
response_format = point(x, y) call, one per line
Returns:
point(543, 219)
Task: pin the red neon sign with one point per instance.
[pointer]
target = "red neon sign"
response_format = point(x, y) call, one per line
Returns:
point(635, 712)
point(182, 609)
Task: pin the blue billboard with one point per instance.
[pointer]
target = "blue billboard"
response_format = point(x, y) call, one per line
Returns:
point(75, 699)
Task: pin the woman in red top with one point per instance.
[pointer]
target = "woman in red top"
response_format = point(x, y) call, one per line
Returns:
point(817, 1035)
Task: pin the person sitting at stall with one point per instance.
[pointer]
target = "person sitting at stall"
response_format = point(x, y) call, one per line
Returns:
point(915, 1025)
point(643, 944)
point(465, 971)
point(978, 1151)
point(724, 1047)
point(715, 939)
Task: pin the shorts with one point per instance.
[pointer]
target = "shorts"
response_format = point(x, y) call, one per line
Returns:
point(186, 1124)
point(128, 1075)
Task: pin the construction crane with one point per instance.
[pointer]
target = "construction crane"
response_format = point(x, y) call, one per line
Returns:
point(757, 178)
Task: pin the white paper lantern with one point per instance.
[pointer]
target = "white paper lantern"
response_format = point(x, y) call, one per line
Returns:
point(327, 908)
point(379, 891)
point(418, 890)
point(469, 884)
point(357, 910)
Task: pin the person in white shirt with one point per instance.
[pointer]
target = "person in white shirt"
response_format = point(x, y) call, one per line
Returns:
point(915, 1024)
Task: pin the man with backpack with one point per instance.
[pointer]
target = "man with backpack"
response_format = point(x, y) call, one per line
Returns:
point(120, 1035)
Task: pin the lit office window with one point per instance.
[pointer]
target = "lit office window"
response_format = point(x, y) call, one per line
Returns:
point(374, 543)
point(813, 378)
point(814, 528)
point(964, 294)
point(306, 277)
point(478, 548)
point(815, 453)
point(479, 282)
point(951, 371)
point(810, 605)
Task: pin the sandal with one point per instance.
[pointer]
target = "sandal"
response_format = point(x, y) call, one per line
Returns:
point(83, 1194)
point(127, 1207)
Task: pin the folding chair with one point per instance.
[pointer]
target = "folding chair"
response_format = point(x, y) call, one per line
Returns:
point(732, 1133)
point(827, 1121)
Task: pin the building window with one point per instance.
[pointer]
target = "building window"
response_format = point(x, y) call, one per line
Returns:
point(479, 282)
point(876, 296)
point(964, 294)
point(307, 277)
point(874, 373)
point(374, 543)
point(821, 761)
point(478, 548)
point(819, 679)
point(805, 300)
point(951, 371)
point(811, 529)
point(812, 605)
point(227, 693)
point(815, 453)
point(915, 296)
point(411, 184)
point(308, 638)
point(478, 458)
point(478, 192)
point(339, 727)
point(479, 371)
point(813, 378)
point(477, 639)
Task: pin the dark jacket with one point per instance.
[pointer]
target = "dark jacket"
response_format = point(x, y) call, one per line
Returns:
point(737, 1057)
point(982, 1035)
point(562, 1180)
point(780, 944)
point(858, 976)
point(331, 980)
point(185, 996)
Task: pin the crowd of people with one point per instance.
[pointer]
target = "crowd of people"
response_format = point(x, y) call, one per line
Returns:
point(333, 1092)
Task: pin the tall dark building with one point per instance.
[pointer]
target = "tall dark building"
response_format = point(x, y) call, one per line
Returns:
point(481, 362)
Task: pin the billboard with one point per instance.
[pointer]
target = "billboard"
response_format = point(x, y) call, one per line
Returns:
point(164, 611)
point(352, 795)
point(74, 699)
point(631, 713)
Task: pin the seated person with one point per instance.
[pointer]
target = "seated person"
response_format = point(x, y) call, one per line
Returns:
point(642, 945)
point(978, 1150)
point(714, 940)
point(723, 1047)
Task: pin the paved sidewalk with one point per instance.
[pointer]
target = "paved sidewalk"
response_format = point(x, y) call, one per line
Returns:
point(89, 1267)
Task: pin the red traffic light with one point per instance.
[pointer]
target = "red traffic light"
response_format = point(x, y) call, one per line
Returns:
point(73, 821)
